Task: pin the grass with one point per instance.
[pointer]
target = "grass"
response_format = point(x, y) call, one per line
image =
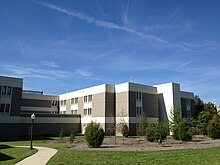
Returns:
point(66, 155)
point(11, 155)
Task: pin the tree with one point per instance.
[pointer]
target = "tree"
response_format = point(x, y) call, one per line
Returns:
point(174, 122)
point(184, 132)
point(199, 106)
point(214, 127)
point(125, 130)
point(94, 135)
point(203, 120)
point(72, 137)
point(61, 134)
point(142, 125)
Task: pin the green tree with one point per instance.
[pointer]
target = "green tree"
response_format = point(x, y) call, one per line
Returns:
point(214, 127)
point(142, 125)
point(94, 135)
point(203, 120)
point(174, 122)
point(72, 137)
point(125, 130)
point(184, 132)
point(199, 106)
point(61, 134)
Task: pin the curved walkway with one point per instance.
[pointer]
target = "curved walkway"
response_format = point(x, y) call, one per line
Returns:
point(40, 158)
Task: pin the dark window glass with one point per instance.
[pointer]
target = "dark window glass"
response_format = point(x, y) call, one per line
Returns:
point(9, 91)
point(2, 107)
point(4, 90)
point(7, 108)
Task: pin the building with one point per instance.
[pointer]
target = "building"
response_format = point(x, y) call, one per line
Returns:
point(106, 104)
point(17, 105)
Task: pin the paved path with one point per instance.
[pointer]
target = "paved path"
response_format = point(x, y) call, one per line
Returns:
point(40, 158)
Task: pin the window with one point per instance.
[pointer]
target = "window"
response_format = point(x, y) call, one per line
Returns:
point(138, 95)
point(55, 103)
point(76, 100)
point(89, 111)
point(85, 99)
point(52, 103)
point(85, 112)
point(64, 102)
point(61, 102)
point(2, 108)
point(72, 101)
point(138, 111)
point(4, 90)
point(7, 108)
point(90, 98)
point(74, 111)
point(9, 91)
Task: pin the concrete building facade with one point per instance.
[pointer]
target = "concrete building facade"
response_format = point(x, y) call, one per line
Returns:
point(106, 104)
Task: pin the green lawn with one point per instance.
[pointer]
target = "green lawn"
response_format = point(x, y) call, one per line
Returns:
point(66, 155)
point(11, 155)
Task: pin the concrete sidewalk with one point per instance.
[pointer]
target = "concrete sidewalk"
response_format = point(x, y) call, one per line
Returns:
point(40, 158)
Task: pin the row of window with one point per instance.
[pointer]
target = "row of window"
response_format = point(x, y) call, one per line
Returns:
point(5, 90)
point(54, 103)
point(74, 100)
point(74, 111)
point(86, 99)
point(5, 108)
point(87, 111)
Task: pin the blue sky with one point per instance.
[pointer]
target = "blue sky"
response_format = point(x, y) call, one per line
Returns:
point(59, 46)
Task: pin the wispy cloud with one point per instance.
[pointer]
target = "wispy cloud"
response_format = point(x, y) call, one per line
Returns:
point(101, 23)
point(50, 64)
point(126, 13)
point(43, 73)
point(20, 45)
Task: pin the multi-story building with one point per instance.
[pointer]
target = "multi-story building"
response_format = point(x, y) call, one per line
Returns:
point(106, 104)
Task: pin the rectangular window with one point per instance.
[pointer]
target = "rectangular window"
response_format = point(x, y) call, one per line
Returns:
point(7, 108)
point(85, 99)
point(85, 112)
point(55, 103)
point(64, 102)
point(4, 90)
point(138, 95)
point(137, 111)
point(72, 101)
point(90, 98)
point(52, 103)
point(9, 91)
point(89, 111)
point(74, 111)
point(76, 100)
point(2, 108)
point(61, 102)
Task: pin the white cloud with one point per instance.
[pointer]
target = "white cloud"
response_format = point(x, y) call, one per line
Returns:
point(50, 64)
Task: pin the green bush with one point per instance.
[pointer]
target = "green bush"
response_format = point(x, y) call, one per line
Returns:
point(125, 130)
point(94, 135)
point(184, 131)
point(72, 137)
point(151, 133)
point(214, 127)
point(157, 131)
point(61, 134)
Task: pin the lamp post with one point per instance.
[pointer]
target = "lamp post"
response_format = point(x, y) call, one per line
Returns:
point(32, 124)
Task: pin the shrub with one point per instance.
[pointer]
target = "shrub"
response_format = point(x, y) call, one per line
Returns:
point(157, 131)
point(184, 132)
point(214, 127)
point(150, 133)
point(94, 135)
point(61, 134)
point(125, 130)
point(72, 137)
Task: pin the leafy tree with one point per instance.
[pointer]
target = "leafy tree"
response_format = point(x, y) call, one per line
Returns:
point(203, 120)
point(157, 131)
point(142, 124)
point(174, 123)
point(210, 107)
point(61, 134)
point(94, 135)
point(214, 127)
point(199, 105)
point(125, 130)
point(72, 137)
point(184, 132)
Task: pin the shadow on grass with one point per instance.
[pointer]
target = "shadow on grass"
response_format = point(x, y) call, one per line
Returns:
point(2, 146)
point(4, 157)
